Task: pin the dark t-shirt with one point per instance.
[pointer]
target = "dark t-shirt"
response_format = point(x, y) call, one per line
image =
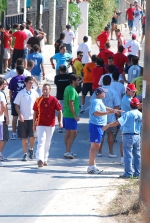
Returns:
point(34, 40)
point(61, 81)
point(58, 43)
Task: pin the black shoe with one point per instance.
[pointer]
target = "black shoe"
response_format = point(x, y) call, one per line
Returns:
point(30, 153)
point(24, 157)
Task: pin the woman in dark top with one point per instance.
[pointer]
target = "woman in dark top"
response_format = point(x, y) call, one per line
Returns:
point(114, 22)
point(59, 42)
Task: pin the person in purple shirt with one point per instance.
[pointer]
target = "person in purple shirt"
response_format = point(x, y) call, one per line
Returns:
point(16, 84)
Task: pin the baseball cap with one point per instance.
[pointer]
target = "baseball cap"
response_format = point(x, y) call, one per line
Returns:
point(131, 87)
point(100, 90)
point(133, 36)
point(134, 102)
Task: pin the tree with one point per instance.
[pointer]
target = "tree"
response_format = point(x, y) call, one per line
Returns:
point(74, 15)
point(3, 6)
point(100, 14)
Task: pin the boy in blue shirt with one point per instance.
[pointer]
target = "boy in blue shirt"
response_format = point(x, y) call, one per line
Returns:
point(131, 122)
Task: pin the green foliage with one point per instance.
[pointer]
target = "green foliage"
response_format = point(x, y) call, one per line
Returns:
point(3, 6)
point(100, 14)
point(74, 15)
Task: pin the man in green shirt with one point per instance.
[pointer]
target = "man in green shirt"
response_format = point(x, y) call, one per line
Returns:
point(70, 114)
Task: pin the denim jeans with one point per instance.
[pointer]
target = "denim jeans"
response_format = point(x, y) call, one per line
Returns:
point(68, 48)
point(132, 151)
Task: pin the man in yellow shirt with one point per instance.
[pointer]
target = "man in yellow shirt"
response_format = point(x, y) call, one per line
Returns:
point(77, 64)
point(139, 83)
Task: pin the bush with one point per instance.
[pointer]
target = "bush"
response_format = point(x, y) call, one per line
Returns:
point(74, 15)
point(100, 14)
point(3, 6)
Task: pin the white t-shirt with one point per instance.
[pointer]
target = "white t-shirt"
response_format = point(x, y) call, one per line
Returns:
point(133, 47)
point(12, 73)
point(137, 14)
point(69, 36)
point(29, 35)
point(26, 101)
point(119, 88)
point(2, 98)
point(85, 49)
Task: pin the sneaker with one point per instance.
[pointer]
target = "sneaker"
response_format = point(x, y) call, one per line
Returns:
point(8, 69)
point(125, 177)
point(60, 130)
point(68, 155)
point(122, 161)
point(112, 156)
point(5, 71)
point(30, 153)
point(40, 164)
point(24, 157)
point(99, 154)
point(74, 154)
point(82, 110)
point(2, 158)
point(93, 170)
point(45, 164)
point(13, 137)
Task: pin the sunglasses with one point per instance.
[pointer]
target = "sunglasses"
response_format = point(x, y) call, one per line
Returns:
point(81, 55)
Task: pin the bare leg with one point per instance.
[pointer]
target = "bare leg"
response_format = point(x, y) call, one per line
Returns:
point(83, 100)
point(101, 145)
point(110, 140)
point(6, 64)
point(2, 144)
point(71, 135)
point(92, 153)
point(14, 123)
point(32, 141)
point(25, 144)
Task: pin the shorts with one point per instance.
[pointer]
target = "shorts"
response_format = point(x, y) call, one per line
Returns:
point(96, 133)
point(5, 132)
point(130, 23)
point(87, 87)
point(13, 110)
point(6, 54)
point(143, 30)
point(26, 53)
point(112, 129)
point(25, 129)
point(70, 123)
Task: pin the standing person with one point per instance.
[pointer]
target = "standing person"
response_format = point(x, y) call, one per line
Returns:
point(131, 122)
point(137, 21)
point(106, 53)
point(130, 17)
point(103, 38)
point(114, 22)
point(70, 114)
point(143, 27)
point(59, 42)
point(44, 123)
point(111, 100)
point(77, 64)
point(61, 58)
point(61, 81)
point(7, 48)
point(35, 40)
point(97, 119)
point(5, 122)
point(121, 40)
point(16, 84)
point(87, 80)
point(120, 60)
point(135, 4)
point(84, 47)
point(97, 73)
point(134, 48)
point(111, 69)
point(69, 38)
point(38, 70)
point(24, 102)
point(29, 23)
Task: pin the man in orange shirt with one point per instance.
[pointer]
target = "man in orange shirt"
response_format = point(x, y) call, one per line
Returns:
point(87, 80)
point(106, 53)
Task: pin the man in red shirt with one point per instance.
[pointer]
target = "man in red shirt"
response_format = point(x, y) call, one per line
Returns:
point(7, 48)
point(120, 59)
point(106, 53)
point(103, 38)
point(44, 123)
point(130, 17)
point(121, 40)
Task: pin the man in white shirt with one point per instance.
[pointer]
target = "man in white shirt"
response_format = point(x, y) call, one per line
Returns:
point(24, 102)
point(137, 20)
point(69, 38)
point(111, 69)
point(134, 48)
point(84, 47)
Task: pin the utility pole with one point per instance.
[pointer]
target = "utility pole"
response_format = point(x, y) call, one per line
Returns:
point(39, 14)
point(145, 151)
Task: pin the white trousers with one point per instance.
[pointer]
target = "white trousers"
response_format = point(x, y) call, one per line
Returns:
point(136, 25)
point(44, 135)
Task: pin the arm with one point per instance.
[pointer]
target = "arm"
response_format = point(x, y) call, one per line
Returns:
point(60, 119)
point(3, 107)
point(124, 78)
point(127, 2)
point(113, 124)
point(52, 63)
point(71, 106)
point(89, 53)
point(43, 70)
point(139, 54)
point(19, 113)
point(35, 81)
point(10, 95)
point(34, 120)
point(6, 115)
point(96, 42)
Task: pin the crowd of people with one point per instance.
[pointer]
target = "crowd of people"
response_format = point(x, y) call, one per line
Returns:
point(113, 80)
